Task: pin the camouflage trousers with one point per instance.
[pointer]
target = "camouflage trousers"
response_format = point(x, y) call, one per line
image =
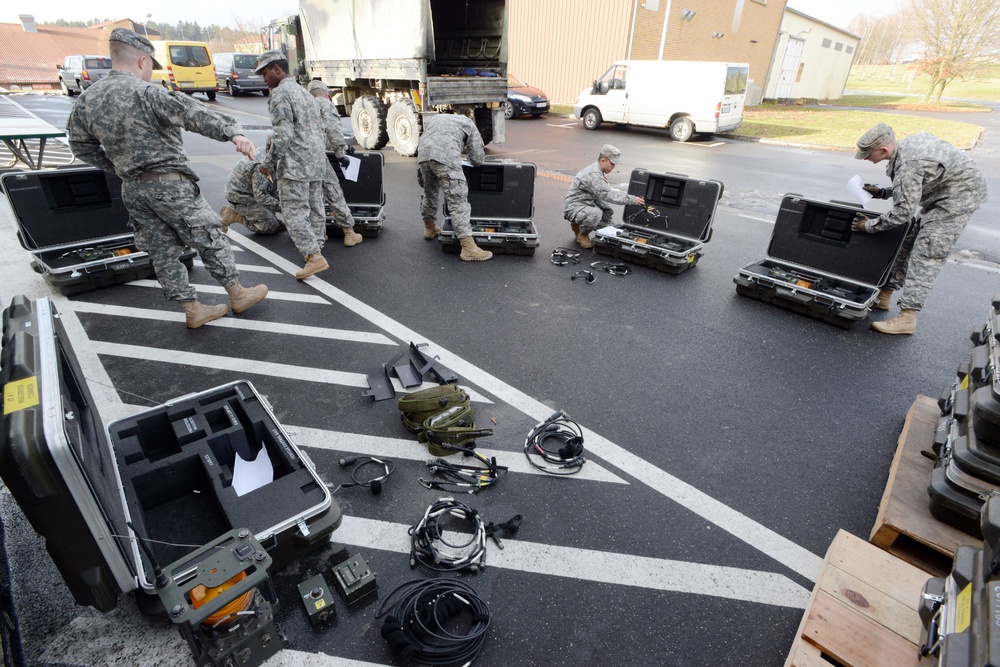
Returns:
point(170, 216)
point(258, 219)
point(924, 251)
point(333, 195)
point(302, 211)
point(590, 218)
point(434, 177)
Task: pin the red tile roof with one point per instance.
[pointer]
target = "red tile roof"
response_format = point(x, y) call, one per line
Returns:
point(31, 57)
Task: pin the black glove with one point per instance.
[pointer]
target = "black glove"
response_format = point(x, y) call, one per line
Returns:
point(344, 162)
point(349, 150)
point(877, 192)
point(858, 224)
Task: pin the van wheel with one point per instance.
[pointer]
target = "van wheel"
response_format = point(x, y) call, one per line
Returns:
point(368, 123)
point(229, 89)
point(592, 119)
point(681, 129)
point(265, 93)
point(404, 127)
point(211, 95)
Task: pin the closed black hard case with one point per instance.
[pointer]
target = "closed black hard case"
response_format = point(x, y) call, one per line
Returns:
point(365, 196)
point(75, 225)
point(669, 233)
point(167, 470)
point(818, 266)
point(502, 197)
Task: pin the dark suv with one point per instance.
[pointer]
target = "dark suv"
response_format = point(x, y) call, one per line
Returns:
point(78, 72)
point(234, 72)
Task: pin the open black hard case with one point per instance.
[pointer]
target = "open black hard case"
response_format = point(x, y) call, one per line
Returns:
point(669, 233)
point(75, 225)
point(502, 197)
point(168, 470)
point(818, 266)
point(365, 196)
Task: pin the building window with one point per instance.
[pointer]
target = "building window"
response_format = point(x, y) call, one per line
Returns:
point(827, 43)
point(850, 49)
point(798, 75)
point(838, 47)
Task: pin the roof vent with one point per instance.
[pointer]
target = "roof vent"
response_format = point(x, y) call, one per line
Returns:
point(27, 22)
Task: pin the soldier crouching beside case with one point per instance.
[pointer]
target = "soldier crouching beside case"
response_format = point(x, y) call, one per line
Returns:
point(333, 194)
point(439, 167)
point(930, 173)
point(587, 206)
point(252, 200)
point(125, 125)
point(297, 159)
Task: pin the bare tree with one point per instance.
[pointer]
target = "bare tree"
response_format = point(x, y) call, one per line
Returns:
point(883, 38)
point(960, 38)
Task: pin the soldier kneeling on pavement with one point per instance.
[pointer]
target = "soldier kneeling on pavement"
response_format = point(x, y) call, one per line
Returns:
point(587, 206)
point(253, 199)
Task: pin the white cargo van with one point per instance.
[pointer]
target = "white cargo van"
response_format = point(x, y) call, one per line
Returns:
point(688, 97)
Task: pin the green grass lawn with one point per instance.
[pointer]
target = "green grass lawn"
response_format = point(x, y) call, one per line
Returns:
point(901, 79)
point(904, 102)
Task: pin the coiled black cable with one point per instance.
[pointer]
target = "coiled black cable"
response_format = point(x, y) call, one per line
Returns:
point(429, 547)
point(419, 622)
point(558, 442)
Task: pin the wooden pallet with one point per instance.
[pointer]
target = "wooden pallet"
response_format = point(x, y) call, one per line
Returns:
point(904, 526)
point(863, 610)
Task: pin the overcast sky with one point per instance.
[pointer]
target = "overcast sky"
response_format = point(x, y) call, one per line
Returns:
point(835, 12)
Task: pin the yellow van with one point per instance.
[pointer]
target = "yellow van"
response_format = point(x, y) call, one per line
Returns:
point(187, 67)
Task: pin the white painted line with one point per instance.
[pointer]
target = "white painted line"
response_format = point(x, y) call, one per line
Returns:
point(975, 264)
point(247, 366)
point(754, 217)
point(785, 551)
point(562, 125)
point(695, 143)
point(599, 566)
point(234, 323)
point(247, 268)
point(401, 448)
point(291, 658)
point(219, 289)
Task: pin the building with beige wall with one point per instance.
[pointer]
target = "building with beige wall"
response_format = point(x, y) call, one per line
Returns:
point(561, 46)
point(812, 59)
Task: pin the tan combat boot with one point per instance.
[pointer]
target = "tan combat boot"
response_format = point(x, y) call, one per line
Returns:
point(884, 299)
point(431, 230)
point(241, 298)
point(473, 253)
point(583, 238)
point(230, 216)
point(351, 237)
point(314, 264)
point(575, 227)
point(197, 314)
point(904, 323)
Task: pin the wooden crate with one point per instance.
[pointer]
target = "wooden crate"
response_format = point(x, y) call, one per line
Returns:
point(904, 526)
point(863, 610)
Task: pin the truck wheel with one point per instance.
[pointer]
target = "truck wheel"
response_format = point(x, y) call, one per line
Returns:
point(484, 121)
point(368, 123)
point(65, 89)
point(404, 126)
point(681, 129)
point(592, 119)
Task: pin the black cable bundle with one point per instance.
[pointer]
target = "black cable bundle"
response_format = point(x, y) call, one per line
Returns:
point(429, 548)
point(375, 483)
point(463, 478)
point(417, 616)
point(558, 442)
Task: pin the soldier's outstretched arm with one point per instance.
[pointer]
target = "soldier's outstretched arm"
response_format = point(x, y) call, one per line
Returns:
point(907, 188)
point(474, 145)
point(177, 109)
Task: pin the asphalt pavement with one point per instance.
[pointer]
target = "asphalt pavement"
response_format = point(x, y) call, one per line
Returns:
point(727, 440)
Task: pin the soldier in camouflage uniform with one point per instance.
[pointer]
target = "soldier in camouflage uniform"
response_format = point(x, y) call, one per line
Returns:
point(127, 126)
point(931, 174)
point(332, 192)
point(297, 158)
point(587, 205)
point(252, 200)
point(439, 167)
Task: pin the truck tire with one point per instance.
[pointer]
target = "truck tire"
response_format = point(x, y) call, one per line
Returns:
point(484, 121)
point(404, 126)
point(368, 123)
point(592, 118)
point(681, 129)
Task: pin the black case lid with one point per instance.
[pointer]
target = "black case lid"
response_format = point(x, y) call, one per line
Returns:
point(501, 190)
point(818, 234)
point(66, 206)
point(367, 190)
point(685, 206)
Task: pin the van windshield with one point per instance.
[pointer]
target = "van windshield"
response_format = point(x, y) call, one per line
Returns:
point(189, 56)
point(736, 80)
point(244, 62)
point(97, 63)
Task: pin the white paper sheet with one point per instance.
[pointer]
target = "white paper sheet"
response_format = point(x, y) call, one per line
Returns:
point(251, 475)
point(855, 186)
point(353, 167)
point(610, 230)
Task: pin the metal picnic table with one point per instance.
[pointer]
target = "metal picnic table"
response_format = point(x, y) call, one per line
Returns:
point(17, 125)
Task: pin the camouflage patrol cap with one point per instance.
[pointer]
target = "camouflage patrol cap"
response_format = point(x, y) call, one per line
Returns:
point(317, 85)
point(611, 153)
point(136, 42)
point(266, 58)
point(872, 139)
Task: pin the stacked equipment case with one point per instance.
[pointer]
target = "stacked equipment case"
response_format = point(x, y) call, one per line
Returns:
point(817, 265)
point(365, 196)
point(76, 227)
point(169, 470)
point(669, 233)
point(959, 612)
point(502, 199)
point(967, 437)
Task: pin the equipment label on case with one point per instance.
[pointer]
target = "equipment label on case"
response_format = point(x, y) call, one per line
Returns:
point(20, 394)
point(963, 609)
